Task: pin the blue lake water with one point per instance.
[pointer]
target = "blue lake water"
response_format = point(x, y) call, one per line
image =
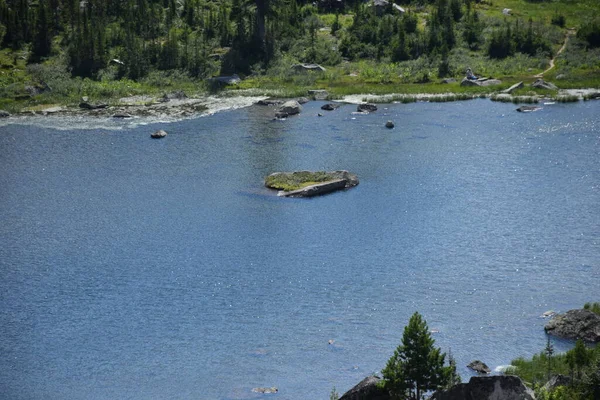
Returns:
point(133, 268)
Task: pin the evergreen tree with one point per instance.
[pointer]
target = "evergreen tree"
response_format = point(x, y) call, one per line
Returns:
point(417, 366)
point(549, 351)
point(42, 41)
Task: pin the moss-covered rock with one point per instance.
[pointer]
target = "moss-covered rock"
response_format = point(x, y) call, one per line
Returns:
point(294, 181)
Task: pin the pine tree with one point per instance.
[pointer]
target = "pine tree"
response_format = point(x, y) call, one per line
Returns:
point(416, 366)
point(42, 40)
point(549, 351)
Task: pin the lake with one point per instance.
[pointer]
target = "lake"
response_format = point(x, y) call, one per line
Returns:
point(133, 268)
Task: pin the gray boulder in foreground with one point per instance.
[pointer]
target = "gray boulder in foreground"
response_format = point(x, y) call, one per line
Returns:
point(575, 324)
point(501, 387)
point(479, 367)
point(367, 389)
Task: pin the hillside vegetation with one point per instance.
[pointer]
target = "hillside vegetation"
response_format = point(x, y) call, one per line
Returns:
point(59, 50)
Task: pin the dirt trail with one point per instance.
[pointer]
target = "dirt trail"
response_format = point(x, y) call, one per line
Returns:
point(570, 32)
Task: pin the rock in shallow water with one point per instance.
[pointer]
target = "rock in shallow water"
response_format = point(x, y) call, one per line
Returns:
point(367, 107)
point(479, 367)
point(158, 134)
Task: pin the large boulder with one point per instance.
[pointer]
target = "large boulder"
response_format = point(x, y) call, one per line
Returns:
point(367, 389)
point(489, 82)
point(501, 387)
point(469, 82)
point(479, 367)
point(575, 324)
point(542, 84)
point(291, 107)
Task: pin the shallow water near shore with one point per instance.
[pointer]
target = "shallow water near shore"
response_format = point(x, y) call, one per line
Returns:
point(134, 268)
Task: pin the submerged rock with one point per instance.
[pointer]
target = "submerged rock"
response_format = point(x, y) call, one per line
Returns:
point(158, 134)
point(501, 387)
point(330, 106)
point(265, 390)
point(366, 107)
point(575, 324)
point(269, 102)
point(528, 108)
point(479, 367)
point(367, 389)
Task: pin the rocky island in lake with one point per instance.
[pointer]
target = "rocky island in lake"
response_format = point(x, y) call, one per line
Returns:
point(310, 183)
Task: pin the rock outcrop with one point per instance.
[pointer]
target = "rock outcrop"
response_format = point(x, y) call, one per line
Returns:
point(556, 381)
point(514, 87)
point(542, 84)
point(480, 82)
point(501, 387)
point(308, 183)
point(318, 94)
point(575, 324)
point(366, 107)
point(308, 67)
point(367, 389)
point(479, 367)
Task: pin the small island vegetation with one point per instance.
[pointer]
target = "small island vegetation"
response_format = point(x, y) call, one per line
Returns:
point(56, 51)
point(297, 180)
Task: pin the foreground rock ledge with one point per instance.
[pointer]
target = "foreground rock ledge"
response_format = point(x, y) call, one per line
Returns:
point(575, 324)
point(504, 387)
point(310, 183)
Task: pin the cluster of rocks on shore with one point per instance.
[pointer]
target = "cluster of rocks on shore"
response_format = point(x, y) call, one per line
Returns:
point(574, 324)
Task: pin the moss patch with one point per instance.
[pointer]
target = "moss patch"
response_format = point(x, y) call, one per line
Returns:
point(288, 181)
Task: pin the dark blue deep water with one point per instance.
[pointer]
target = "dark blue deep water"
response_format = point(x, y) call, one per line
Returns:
point(133, 268)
